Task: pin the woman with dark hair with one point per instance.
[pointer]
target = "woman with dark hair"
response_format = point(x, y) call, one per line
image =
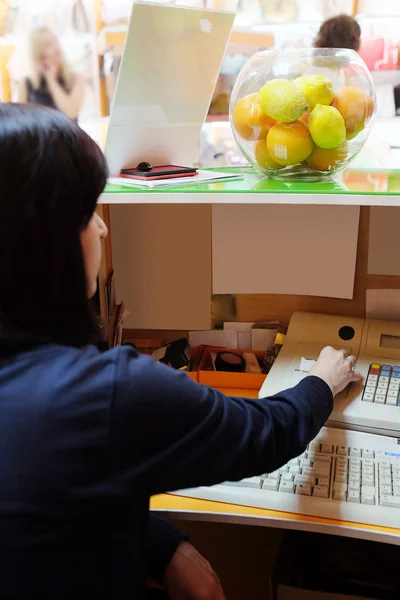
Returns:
point(88, 437)
point(339, 32)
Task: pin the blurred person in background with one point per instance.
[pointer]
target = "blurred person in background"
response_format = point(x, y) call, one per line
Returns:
point(339, 32)
point(50, 81)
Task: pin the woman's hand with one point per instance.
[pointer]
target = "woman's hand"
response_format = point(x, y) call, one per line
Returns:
point(190, 577)
point(335, 367)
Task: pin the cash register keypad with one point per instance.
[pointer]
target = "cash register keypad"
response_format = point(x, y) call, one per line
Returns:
point(383, 385)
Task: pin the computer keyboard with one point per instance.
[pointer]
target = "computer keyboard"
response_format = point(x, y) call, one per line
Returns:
point(345, 475)
point(383, 385)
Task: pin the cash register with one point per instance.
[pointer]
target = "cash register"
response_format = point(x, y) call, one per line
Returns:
point(351, 470)
point(372, 405)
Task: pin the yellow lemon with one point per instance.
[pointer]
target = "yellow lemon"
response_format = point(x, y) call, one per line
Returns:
point(327, 127)
point(263, 157)
point(318, 89)
point(289, 143)
point(328, 160)
point(355, 106)
point(249, 121)
point(280, 99)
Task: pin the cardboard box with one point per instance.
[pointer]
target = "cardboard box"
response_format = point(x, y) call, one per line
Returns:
point(220, 379)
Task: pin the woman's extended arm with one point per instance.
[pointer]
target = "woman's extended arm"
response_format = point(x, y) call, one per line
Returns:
point(168, 432)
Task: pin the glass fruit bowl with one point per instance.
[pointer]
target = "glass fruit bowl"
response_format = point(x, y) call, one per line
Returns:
point(302, 113)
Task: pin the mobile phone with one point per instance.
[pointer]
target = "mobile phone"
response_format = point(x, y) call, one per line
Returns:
point(162, 172)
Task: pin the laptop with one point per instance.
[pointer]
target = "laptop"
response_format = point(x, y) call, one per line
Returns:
point(170, 65)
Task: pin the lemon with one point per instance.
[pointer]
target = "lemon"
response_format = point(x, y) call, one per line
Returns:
point(280, 99)
point(263, 157)
point(289, 143)
point(318, 89)
point(327, 127)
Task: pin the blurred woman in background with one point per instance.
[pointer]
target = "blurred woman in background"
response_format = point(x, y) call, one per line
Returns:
point(339, 32)
point(50, 81)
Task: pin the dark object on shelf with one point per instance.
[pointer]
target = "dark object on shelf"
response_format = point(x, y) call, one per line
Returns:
point(230, 362)
point(273, 350)
point(177, 354)
point(397, 98)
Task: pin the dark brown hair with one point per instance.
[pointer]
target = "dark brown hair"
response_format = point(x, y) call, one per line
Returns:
point(51, 175)
point(339, 32)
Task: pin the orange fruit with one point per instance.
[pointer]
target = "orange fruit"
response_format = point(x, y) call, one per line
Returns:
point(263, 157)
point(305, 117)
point(249, 121)
point(328, 160)
point(355, 106)
point(289, 143)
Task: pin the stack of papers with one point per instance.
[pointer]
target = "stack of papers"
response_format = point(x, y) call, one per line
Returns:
point(201, 177)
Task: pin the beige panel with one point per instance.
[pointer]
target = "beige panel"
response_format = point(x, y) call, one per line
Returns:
point(162, 264)
point(384, 241)
point(308, 250)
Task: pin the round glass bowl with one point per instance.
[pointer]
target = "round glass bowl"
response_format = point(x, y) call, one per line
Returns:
point(302, 113)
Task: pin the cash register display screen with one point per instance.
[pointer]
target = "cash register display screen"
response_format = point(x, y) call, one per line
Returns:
point(390, 341)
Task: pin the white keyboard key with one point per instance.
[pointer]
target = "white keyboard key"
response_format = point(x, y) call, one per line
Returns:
point(314, 447)
point(324, 482)
point(305, 480)
point(383, 379)
point(313, 456)
point(248, 482)
point(305, 462)
point(367, 453)
point(353, 496)
point(368, 481)
point(339, 491)
point(355, 461)
point(354, 477)
point(284, 469)
point(326, 448)
point(367, 496)
point(385, 471)
point(303, 489)
point(355, 452)
point(294, 469)
point(396, 490)
point(391, 400)
point(396, 481)
point(354, 469)
point(354, 485)
point(341, 450)
point(368, 397)
point(369, 390)
point(395, 380)
point(287, 487)
point(367, 462)
point(385, 489)
point(321, 491)
point(385, 481)
point(368, 470)
point(380, 399)
point(393, 394)
point(371, 379)
point(294, 462)
point(322, 469)
point(390, 501)
point(287, 477)
point(381, 391)
point(270, 485)
point(394, 387)
point(341, 477)
point(274, 475)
